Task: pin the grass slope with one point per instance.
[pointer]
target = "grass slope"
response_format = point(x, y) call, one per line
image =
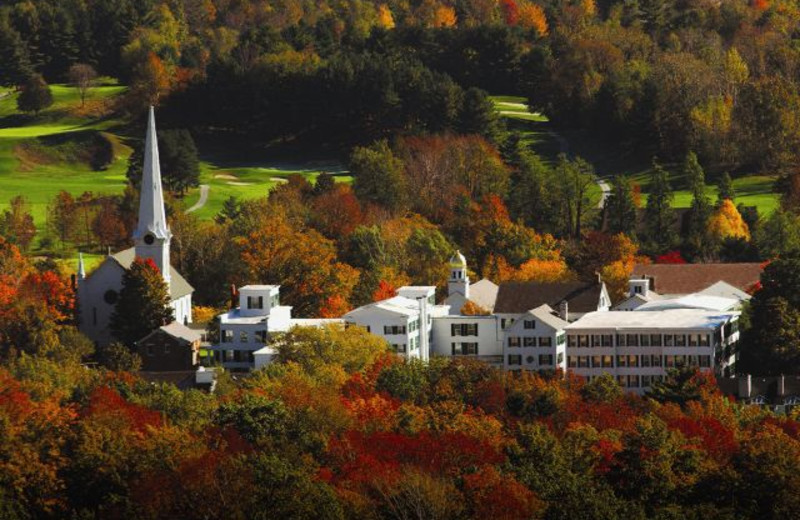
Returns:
point(751, 189)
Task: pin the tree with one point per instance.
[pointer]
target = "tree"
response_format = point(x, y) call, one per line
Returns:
point(180, 167)
point(63, 216)
point(82, 76)
point(107, 226)
point(602, 389)
point(478, 116)
point(378, 176)
point(621, 207)
point(726, 222)
point(725, 189)
point(117, 357)
point(17, 224)
point(577, 175)
point(771, 345)
point(682, 385)
point(700, 210)
point(659, 218)
point(779, 234)
point(143, 304)
point(35, 95)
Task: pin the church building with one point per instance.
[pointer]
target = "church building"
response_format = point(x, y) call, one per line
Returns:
point(99, 291)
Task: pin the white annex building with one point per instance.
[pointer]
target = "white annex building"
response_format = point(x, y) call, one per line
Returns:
point(98, 292)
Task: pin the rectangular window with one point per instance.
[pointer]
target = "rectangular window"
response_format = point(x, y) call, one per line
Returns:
point(608, 340)
point(622, 361)
point(465, 349)
point(275, 301)
point(597, 361)
point(644, 340)
point(668, 340)
point(261, 336)
point(705, 361)
point(621, 340)
point(680, 340)
point(608, 361)
point(596, 340)
point(515, 360)
point(400, 348)
point(633, 361)
point(584, 340)
point(545, 341)
point(572, 361)
point(705, 340)
point(255, 302)
point(529, 324)
point(572, 341)
point(227, 336)
point(242, 336)
point(669, 361)
point(645, 360)
point(583, 361)
point(545, 359)
point(656, 360)
point(529, 342)
point(513, 342)
point(502, 324)
point(645, 381)
point(229, 355)
point(394, 330)
point(166, 347)
point(632, 340)
point(464, 329)
point(655, 340)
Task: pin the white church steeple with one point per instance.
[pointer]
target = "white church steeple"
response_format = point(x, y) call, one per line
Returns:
point(152, 235)
point(459, 278)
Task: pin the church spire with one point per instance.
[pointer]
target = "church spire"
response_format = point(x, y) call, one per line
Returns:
point(152, 236)
point(81, 267)
point(152, 218)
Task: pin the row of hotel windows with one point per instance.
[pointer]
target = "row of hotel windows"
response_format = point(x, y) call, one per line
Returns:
point(227, 335)
point(234, 355)
point(464, 349)
point(544, 359)
point(637, 361)
point(544, 341)
point(639, 340)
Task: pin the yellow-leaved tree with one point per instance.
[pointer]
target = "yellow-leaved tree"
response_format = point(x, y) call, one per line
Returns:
point(727, 222)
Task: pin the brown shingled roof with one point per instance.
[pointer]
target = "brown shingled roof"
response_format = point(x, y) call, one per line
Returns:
point(690, 278)
point(519, 297)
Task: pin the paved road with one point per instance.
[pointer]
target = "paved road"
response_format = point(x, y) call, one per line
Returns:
point(203, 198)
point(606, 189)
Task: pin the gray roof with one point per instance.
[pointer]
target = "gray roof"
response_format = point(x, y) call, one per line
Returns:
point(178, 331)
point(547, 315)
point(484, 293)
point(178, 286)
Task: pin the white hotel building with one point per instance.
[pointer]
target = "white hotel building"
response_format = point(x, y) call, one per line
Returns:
point(524, 332)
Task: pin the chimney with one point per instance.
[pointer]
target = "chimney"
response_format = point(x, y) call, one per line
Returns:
point(563, 310)
point(234, 297)
point(745, 386)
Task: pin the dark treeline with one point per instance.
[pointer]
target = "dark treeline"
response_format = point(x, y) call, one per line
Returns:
point(660, 77)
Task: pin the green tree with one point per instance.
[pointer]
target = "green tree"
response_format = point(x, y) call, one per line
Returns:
point(682, 384)
point(771, 345)
point(180, 167)
point(407, 381)
point(378, 176)
point(700, 211)
point(725, 188)
point(13, 55)
point(621, 207)
point(117, 357)
point(478, 116)
point(576, 176)
point(602, 389)
point(659, 218)
point(779, 234)
point(143, 304)
point(35, 95)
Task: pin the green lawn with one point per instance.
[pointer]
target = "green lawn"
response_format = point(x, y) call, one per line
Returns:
point(30, 164)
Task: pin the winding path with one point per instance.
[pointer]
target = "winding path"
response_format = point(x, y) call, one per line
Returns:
point(202, 200)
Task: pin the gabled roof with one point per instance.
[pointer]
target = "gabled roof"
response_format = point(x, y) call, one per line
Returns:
point(519, 297)
point(725, 290)
point(178, 286)
point(484, 293)
point(691, 301)
point(178, 331)
point(690, 278)
point(548, 316)
point(397, 305)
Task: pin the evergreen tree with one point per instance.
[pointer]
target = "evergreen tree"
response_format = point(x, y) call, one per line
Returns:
point(230, 211)
point(725, 188)
point(659, 217)
point(378, 175)
point(700, 211)
point(478, 116)
point(35, 95)
point(13, 55)
point(143, 304)
point(621, 208)
point(771, 345)
point(180, 167)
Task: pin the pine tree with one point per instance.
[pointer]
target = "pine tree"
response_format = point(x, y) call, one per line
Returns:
point(725, 189)
point(621, 207)
point(143, 304)
point(701, 206)
point(659, 218)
